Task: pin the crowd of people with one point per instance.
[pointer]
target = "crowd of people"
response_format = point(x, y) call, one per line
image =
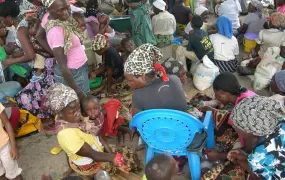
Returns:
point(43, 49)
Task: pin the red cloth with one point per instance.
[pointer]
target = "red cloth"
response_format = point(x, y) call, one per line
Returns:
point(14, 119)
point(160, 68)
point(111, 124)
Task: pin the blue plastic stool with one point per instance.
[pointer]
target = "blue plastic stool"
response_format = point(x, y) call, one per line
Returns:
point(170, 132)
point(10, 89)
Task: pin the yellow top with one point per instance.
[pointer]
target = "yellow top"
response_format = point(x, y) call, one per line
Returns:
point(72, 139)
point(4, 138)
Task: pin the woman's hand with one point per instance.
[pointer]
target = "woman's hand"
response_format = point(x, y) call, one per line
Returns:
point(14, 153)
point(214, 155)
point(237, 156)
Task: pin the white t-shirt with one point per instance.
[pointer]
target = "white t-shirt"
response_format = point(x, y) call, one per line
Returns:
point(254, 23)
point(231, 9)
point(189, 27)
point(225, 49)
point(163, 23)
point(270, 38)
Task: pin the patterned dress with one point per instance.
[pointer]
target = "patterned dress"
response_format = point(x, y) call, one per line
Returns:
point(267, 160)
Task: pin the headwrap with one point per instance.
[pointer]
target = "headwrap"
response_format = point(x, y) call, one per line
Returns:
point(224, 25)
point(70, 27)
point(59, 96)
point(280, 80)
point(258, 115)
point(200, 10)
point(144, 60)
point(99, 42)
point(278, 20)
point(227, 82)
point(47, 3)
point(172, 66)
point(258, 6)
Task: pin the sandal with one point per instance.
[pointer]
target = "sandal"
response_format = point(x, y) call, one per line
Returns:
point(56, 150)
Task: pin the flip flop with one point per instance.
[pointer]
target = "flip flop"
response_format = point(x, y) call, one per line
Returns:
point(56, 150)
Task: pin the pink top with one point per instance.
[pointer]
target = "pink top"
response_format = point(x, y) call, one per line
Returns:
point(44, 20)
point(281, 9)
point(243, 95)
point(76, 56)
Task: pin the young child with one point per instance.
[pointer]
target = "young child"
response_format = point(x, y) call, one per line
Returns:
point(127, 46)
point(8, 149)
point(80, 19)
point(161, 167)
point(199, 41)
point(104, 27)
point(105, 120)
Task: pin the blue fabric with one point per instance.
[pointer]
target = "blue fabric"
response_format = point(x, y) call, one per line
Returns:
point(225, 26)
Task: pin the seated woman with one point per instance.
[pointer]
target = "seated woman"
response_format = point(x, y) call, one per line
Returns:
point(85, 151)
point(163, 24)
point(112, 62)
point(141, 72)
point(30, 98)
point(225, 45)
point(272, 37)
point(204, 13)
point(227, 91)
point(182, 14)
point(254, 22)
point(265, 160)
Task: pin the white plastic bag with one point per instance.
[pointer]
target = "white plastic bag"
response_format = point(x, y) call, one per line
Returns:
point(205, 74)
point(268, 66)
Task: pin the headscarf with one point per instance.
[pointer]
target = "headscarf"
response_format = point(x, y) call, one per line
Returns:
point(172, 66)
point(200, 10)
point(224, 25)
point(278, 20)
point(258, 115)
point(59, 96)
point(144, 60)
point(70, 27)
point(227, 82)
point(47, 3)
point(99, 42)
point(258, 6)
point(280, 80)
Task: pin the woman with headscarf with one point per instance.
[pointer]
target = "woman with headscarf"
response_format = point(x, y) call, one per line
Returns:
point(254, 22)
point(31, 97)
point(260, 120)
point(225, 45)
point(152, 87)
point(227, 91)
point(85, 151)
point(111, 61)
point(141, 23)
point(64, 38)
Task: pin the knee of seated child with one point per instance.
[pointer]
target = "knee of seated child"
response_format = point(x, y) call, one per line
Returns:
point(161, 167)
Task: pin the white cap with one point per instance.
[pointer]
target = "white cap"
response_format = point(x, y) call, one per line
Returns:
point(159, 4)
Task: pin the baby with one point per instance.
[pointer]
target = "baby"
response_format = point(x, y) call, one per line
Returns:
point(127, 46)
point(98, 122)
point(80, 19)
point(104, 27)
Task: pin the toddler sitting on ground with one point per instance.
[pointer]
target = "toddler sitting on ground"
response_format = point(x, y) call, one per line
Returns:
point(104, 27)
point(127, 46)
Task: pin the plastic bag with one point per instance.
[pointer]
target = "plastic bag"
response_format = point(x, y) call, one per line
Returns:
point(205, 74)
point(268, 66)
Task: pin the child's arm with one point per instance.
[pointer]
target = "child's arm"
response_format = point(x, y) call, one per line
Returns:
point(10, 132)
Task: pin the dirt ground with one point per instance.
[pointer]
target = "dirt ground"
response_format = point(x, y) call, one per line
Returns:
point(36, 159)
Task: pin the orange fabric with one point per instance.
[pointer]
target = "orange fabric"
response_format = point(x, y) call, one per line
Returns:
point(112, 123)
point(160, 68)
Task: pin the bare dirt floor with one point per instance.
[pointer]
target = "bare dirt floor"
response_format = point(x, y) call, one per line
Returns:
point(36, 159)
